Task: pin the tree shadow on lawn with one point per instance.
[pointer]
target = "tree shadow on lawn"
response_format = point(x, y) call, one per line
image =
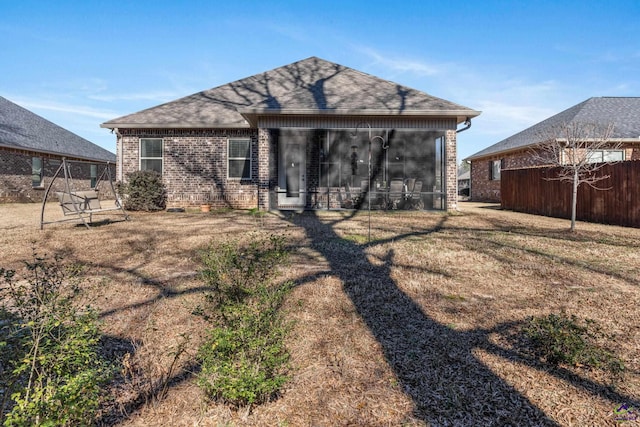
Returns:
point(522, 223)
point(489, 245)
point(434, 364)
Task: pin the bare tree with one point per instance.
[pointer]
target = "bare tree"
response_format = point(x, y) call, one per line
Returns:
point(579, 150)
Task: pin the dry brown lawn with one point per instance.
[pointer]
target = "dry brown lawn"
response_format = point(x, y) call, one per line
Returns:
point(414, 328)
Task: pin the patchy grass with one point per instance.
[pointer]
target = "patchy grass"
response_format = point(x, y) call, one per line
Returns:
point(562, 339)
point(417, 327)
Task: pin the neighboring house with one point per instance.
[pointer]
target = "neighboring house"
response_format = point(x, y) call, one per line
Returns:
point(31, 149)
point(517, 151)
point(464, 183)
point(283, 139)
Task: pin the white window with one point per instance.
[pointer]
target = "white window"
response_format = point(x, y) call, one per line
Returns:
point(151, 154)
point(239, 158)
point(36, 172)
point(494, 170)
point(600, 156)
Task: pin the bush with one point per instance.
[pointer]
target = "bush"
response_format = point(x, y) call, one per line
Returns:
point(563, 339)
point(56, 373)
point(143, 191)
point(243, 365)
point(244, 358)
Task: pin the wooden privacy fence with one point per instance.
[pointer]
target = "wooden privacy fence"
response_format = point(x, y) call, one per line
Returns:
point(531, 191)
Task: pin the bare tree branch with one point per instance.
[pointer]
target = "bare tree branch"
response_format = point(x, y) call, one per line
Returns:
point(579, 150)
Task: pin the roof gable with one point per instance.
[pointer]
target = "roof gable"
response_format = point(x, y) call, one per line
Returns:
point(22, 129)
point(622, 112)
point(310, 86)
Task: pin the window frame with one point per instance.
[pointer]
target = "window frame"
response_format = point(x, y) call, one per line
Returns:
point(39, 173)
point(248, 157)
point(494, 175)
point(141, 158)
point(93, 175)
point(602, 154)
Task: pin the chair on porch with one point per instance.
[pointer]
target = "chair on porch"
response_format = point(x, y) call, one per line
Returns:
point(410, 183)
point(348, 199)
point(396, 194)
point(414, 198)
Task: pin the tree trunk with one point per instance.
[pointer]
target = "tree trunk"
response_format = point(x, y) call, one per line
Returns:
point(574, 200)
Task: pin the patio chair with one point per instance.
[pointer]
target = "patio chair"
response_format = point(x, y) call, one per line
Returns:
point(410, 183)
point(414, 198)
point(348, 199)
point(396, 196)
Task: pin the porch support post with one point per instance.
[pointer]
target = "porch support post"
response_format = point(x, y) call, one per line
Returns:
point(264, 160)
point(451, 173)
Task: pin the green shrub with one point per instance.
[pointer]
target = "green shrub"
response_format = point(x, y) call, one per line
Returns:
point(238, 275)
point(244, 359)
point(56, 375)
point(143, 191)
point(562, 339)
point(243, 365)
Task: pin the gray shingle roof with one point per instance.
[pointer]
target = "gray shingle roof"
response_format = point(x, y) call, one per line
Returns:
point(622, 112)
point(310, 86)
point(22, 129)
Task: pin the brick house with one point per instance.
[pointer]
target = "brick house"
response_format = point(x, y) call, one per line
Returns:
point(518, 151)
point(31, 149)
point(303, 136)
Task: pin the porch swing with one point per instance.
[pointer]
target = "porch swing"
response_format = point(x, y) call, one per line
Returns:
point(82, 204)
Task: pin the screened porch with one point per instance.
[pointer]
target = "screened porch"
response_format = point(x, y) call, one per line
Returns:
point(342, 169)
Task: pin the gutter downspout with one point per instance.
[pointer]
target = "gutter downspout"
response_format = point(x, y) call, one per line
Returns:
point(120, 155)
point(466, 122)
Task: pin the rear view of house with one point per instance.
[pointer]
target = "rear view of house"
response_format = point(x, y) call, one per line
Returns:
point(309, 135)
point(31, 149)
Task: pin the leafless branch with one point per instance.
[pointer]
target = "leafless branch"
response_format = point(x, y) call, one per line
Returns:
point(579, 150)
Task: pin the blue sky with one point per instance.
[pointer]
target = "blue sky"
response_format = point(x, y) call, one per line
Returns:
point(80, 63)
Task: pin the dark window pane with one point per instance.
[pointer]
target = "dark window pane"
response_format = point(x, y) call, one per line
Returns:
point(151, 147)
point(240, 168)
point(151, 165)
point(239, 148)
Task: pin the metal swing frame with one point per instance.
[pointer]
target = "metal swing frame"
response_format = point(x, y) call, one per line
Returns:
point(82, 204)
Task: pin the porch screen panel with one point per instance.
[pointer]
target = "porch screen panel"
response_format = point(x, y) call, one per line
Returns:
point(440, 168)
point(330, 163)
point(396, 158)
point(345, 159)
point(292, 160)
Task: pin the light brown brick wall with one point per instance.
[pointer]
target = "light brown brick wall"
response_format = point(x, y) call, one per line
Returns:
point(451, 170)
point(195, 165)
point(266, 167)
